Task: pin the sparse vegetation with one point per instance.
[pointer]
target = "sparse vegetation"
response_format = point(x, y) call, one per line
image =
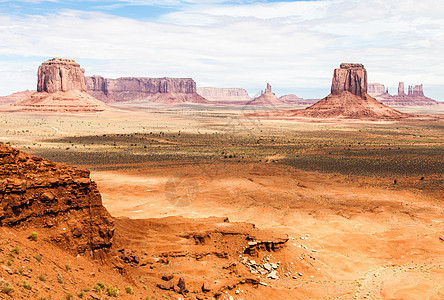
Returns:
point(27, 285)
point(129, 290)
point(16, 250)
point(33, 236)
point(59, 278)
point(112, 291)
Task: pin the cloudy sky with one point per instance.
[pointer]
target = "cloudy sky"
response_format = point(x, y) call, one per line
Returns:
point(294, 45)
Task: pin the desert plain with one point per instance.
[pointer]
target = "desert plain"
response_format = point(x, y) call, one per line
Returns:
point(354, 208)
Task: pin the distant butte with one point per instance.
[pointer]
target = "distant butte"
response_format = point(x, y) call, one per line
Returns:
point(143, 89)
point(415, 96)
point(231, 95)
point(60, 88)
point(267, 98)
point(348, 99)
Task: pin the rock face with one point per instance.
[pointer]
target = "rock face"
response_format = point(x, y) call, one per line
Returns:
point(350, 78)
point(414, 97)
point(61, 200)
point(60, 88)
point(223, 94)
point(59, 74)
point(144, 89)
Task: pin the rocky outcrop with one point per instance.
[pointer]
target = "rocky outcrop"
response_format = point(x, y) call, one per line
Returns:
point(61, 200)
point(140, 88)
point(267, 98)
point(223, 94)
point(401, 91)
point(350, 78)
point(60, 88)
point(59, 74)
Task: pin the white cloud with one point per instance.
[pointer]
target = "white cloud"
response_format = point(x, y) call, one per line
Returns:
point(293, 45)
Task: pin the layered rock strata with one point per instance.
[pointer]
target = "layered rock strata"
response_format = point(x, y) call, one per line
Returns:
point(61, 200)
point(125, 89)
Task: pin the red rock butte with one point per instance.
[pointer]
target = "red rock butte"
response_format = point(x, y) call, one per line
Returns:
point(267, 98)
point(348, 99)
point(151, 90)
point(60, 88)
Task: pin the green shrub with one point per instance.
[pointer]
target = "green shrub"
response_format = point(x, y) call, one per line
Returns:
point(42, 277)
point(112, 291)
point(129, 290)
point(38, 257)
point(69, 296)
point(33, 236)
point(16, 250)
point(27, 285)
point(80, 295)
point(101, 285)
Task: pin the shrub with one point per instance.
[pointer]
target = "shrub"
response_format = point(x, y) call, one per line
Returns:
point(101, 285)
point(69, 296)
point(68, 267)
point(33, 236)
point(112, 291)
point(129, 290)
point(27, 285)
point(42, 277)
point(16, 250)
point(59, 278)
point(38, 257)
point(5, 287)
point(80, 295)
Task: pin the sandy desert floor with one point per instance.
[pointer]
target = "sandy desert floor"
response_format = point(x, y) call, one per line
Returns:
point(362, 203)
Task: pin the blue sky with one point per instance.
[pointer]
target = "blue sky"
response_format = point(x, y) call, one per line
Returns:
point(294, 45)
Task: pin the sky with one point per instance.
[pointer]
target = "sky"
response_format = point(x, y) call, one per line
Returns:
point(293, 45)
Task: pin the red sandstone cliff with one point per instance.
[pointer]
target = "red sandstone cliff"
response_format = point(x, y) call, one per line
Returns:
point(60, 199)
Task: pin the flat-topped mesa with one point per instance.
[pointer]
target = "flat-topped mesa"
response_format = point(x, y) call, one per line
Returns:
point(141, 85)
point(59, 74)
point(143, 88)
point(351, 78)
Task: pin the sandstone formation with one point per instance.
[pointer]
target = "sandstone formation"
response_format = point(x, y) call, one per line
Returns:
point(414, 97)
point(376, 89)
point(267, 98)
point(158, 90)
point(60, 88)
point(224, 94)
point(59, 74)
point(348, 99)
point(350, 78)
point(60, 200)
point(15, 97)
